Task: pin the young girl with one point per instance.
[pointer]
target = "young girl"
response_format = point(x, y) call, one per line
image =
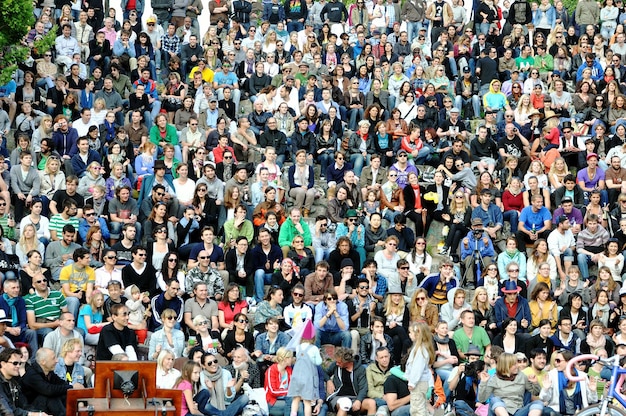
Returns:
point(304, 383)
point(90, 318)
point(418, 374)
point(372, 204)
point(189, 383)
point(612, 259)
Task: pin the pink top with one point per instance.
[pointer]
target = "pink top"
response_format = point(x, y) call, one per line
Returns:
point(184, 385)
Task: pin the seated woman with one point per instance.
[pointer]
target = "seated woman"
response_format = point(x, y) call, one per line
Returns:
point(268, 343)
point(287, 278)
point(168, 337)
point(301, 183)
point(90, 318)
point(509, 340)
point(166, 374)
point(542, 306)
point(302, 257)
point(397, 321)
point(597, 339)
point(422, 310)
point(387, 259)
point(33, 271)
point(269, 308)
point(203, 337)
point(231, 306)
point(239, 336)
point(276, 383)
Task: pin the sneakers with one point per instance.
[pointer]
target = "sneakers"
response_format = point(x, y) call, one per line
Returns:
point(443, 251)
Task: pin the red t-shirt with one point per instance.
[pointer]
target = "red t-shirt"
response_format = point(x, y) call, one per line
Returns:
point(230, 312)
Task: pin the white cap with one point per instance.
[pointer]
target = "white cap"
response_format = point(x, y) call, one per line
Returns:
point(344, 403)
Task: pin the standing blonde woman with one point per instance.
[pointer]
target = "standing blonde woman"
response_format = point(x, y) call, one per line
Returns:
point(418, 373)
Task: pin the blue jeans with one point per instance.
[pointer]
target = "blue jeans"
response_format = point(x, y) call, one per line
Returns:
point(260, 280)
point(462, 409)
point(523, 411)
point(325, 160)
point(115, 228)
point(460, 102)
point(294, 26)
point(341, 338)
point(584, 261)
point(512, 216)
point(413, 29)
point(354, 116)
point(205, 406)
point(402, 411)
point(73, 305)
point(281, 407)
point(358, 161)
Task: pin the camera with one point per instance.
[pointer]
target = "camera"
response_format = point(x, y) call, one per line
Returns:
point(473, 369)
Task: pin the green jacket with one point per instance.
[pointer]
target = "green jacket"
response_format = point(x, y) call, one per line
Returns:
point(171, 135)
point(288, 232)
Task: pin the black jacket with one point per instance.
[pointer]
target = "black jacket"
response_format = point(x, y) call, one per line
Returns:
point(274, 138)
point(47, 393)
point(10, 403)
point(231, 265)
point(304, 141)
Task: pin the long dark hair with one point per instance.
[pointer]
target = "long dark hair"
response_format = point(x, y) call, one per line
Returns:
point(165, 270)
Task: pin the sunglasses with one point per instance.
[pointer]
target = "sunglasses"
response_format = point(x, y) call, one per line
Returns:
point(514, 271)
point(228, 157)
point(404, 268)
point(243, 321)
point(42, 281)
point(421, 298)
point(491, 269)
point(172, 260)
point(211, 362)
point(160, 194)
point(170, 318)
point(364, 287)
point(15, 363)
point(204, 323)
point(558, 361)
point(203, 257)
point(111, 257)
point(331, 298)
point(298, 295)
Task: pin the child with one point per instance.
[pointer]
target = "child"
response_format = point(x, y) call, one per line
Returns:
point(304, 383)
point(418, 374)
point(138, 312)
point(186, 227)
point(372, 204)
point(189, 383)
point(90, 318)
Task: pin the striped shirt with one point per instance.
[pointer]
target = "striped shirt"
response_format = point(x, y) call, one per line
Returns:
point(48, 307)
point(57, 223)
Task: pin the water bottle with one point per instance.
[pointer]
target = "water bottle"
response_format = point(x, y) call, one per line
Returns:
point(534, 229)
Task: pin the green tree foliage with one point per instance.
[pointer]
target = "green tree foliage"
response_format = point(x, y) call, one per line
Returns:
point(16, 18)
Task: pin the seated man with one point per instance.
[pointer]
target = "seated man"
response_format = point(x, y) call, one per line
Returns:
point(77, 280)
point(345, 364)
point(14, 400)
point(331, 321)
point(44, 389)
point(477, 246)
point(117, 338)
point(590, 243)
point(44, 308)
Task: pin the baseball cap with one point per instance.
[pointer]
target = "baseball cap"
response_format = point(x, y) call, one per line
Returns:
point(151, 19)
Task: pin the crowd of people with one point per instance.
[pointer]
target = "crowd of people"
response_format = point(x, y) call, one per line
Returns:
point(157, 203)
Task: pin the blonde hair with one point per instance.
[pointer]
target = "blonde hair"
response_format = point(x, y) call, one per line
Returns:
point(475, 304)
point(505, 362)
point(423, 339)
point(282, 354)
point(414, 310)
point(69, 345)
point(553, 167)
point(30, 244)
point(391, 308)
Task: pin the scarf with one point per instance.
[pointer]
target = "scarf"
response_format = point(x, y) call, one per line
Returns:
point(110, 131)
point(238, 368)
point(593, 344)
point(606, 310)
point(217, 392)
point(443, 340)
point(11, 302)
point(576, 397)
